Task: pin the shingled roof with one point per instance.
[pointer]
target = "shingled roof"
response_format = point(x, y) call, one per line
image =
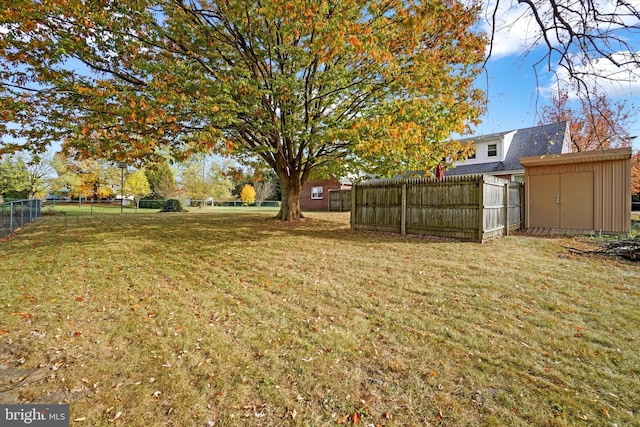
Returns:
point(533, 141)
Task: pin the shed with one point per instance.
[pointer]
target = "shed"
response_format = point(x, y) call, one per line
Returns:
point(582, 192)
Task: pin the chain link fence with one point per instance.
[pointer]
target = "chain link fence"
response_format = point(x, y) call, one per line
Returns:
point(14, 215)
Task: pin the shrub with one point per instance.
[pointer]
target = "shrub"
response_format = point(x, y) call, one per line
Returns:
point(151, 204)
point(173, 205)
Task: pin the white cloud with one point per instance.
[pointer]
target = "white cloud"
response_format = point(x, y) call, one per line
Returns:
point(603, 76)
point(514, 29)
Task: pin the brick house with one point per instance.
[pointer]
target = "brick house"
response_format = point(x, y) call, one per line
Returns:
point(315, 193)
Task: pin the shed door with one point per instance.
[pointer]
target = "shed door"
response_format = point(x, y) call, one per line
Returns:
point(576, 200)
point(544, 193)
point(561, 200)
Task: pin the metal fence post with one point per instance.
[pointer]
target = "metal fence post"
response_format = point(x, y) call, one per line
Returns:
point(403, 210)
point(10, 217)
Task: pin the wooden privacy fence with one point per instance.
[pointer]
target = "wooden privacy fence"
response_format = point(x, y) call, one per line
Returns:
point(339, 200)
point(476, 207)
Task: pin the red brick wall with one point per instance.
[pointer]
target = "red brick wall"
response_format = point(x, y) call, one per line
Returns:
point(309, 204)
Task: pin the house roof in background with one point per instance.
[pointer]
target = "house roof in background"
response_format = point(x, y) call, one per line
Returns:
point(527, 142)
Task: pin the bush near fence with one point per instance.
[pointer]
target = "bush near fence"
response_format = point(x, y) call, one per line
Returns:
point(476, 207)
point(151, 204)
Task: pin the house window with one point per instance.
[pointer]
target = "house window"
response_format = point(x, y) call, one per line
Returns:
point(316, 193)
point(492, 150)
point(472, 156)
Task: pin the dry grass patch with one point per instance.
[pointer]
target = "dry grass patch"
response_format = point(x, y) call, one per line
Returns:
point(223, 319)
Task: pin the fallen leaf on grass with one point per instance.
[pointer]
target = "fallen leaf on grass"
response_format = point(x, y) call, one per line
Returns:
point(23, 315)
point(355, 418)
point(3, 332)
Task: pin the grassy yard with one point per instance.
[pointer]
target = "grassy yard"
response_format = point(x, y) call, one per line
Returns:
point(88, 209)
point(235, 319)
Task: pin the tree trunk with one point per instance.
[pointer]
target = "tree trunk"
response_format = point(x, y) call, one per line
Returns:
point(290, 207)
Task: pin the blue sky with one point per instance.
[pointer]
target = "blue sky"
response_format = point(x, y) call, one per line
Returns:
point(515, 98)
point(516, 95)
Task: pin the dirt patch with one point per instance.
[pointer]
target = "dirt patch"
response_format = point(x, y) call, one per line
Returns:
point(20, 384)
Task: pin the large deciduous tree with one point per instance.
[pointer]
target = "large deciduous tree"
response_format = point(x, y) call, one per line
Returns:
point(162, 180)
point(137, 186)
point(84, 178)
point(14, 178)
point(24, 177)
point(299, 83)
point(201, 181)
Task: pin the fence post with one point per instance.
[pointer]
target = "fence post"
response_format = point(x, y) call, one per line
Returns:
point(353, 206)
point(403, 210)
point(481, 209)
point(10, 217)
point(522, 207)
point(506, 209)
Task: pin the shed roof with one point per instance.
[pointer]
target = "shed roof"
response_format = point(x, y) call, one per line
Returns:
point(580, 157)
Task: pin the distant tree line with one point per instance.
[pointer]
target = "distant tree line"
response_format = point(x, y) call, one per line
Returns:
point(63, 176)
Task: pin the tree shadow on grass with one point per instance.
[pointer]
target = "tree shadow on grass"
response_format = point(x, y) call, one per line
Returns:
point(211, 231)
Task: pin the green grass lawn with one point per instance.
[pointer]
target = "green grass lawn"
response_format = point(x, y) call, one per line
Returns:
point(236, 319)
point(88, 209)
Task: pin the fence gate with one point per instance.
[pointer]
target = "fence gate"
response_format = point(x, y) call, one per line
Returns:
point(339, 200)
